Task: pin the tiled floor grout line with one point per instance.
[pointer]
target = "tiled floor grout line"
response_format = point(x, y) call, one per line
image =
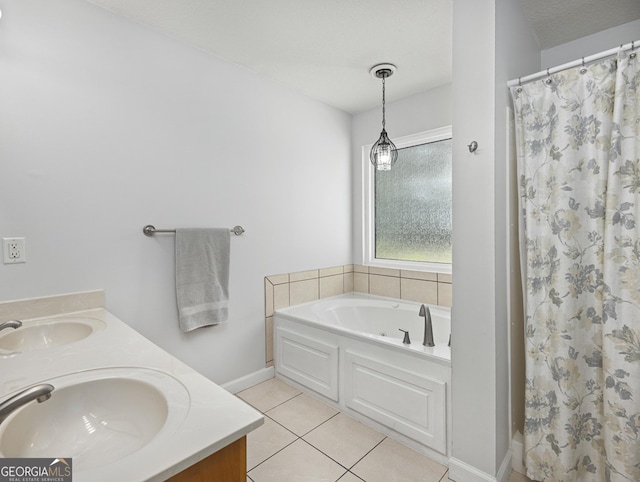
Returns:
point(277, 452)
point(301, 437)
point(270, 456)
point(349, 472)
point(298, 437)
point(317, 450)
point(281, 403)
point(372, 449)
point(326, 455)
point(321, 424)
point(271, 408)
point(348, 469)
point(340, 464)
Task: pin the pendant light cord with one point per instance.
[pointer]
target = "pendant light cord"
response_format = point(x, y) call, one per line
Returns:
point(383, 103)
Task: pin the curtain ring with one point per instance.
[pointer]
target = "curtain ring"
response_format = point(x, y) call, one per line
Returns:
point(632, 55)
point(583, 70)
point(548, 81)
point(519, 89)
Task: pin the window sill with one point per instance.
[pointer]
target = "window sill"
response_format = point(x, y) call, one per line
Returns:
point(444, 268)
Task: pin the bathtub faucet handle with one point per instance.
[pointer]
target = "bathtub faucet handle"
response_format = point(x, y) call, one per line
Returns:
point(406, 340)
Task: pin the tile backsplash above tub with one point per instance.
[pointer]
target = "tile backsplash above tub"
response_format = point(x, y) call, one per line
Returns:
point(290, 289)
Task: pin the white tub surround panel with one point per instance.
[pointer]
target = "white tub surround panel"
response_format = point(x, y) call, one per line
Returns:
point(309, 360)
point(402, 390)
point(399, 397)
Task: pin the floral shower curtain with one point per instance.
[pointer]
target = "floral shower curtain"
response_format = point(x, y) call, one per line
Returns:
point(578, 141)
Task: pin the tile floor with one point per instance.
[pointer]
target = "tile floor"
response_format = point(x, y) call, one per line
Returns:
point(303, 439)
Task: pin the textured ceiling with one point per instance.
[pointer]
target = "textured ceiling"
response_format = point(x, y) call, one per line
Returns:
point(325, 48)
point(559, 21)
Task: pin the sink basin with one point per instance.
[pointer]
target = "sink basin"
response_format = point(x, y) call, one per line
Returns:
point(97, 417)
point(49, 333)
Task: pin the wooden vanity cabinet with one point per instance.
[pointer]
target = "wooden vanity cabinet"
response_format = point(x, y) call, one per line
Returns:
point(228, 464)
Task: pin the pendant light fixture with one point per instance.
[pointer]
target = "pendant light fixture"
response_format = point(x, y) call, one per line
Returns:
point(383, 154)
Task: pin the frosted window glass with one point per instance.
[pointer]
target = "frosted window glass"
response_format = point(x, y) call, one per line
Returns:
point(413, 205)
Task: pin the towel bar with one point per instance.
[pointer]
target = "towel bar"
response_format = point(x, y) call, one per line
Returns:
point(150, 230)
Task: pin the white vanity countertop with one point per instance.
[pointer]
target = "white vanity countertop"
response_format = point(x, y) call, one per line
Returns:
point(215, 418)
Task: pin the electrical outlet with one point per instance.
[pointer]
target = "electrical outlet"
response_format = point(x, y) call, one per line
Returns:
point(13, 250)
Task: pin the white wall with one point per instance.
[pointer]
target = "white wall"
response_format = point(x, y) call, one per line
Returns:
point(417, 113)
point(591, 44)
point(473, 341)
point(489, 36)
point(106, 126)
point(517, 53)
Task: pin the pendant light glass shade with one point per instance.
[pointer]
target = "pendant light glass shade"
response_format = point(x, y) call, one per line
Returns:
point(384, 153)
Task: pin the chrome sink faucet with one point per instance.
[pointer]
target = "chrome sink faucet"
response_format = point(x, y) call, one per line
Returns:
point(10, 324)
point(428, 328)
point(40, 393)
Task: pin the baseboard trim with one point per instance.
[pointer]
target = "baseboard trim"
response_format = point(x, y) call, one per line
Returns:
point(463, 472)
point(517, 450)
point(505, 468)
point(247, 381)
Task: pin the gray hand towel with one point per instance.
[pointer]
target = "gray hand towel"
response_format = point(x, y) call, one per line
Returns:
point(202, 276)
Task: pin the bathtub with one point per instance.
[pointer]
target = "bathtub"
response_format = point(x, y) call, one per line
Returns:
point(348, 350)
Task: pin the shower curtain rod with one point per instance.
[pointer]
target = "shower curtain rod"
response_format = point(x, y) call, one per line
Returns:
point(584, 60)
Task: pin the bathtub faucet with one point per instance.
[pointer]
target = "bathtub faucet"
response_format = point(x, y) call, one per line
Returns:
point(10, 324)
point(40, 393)
point(428, 328)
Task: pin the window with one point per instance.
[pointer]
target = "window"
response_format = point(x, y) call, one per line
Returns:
point(407, 210)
